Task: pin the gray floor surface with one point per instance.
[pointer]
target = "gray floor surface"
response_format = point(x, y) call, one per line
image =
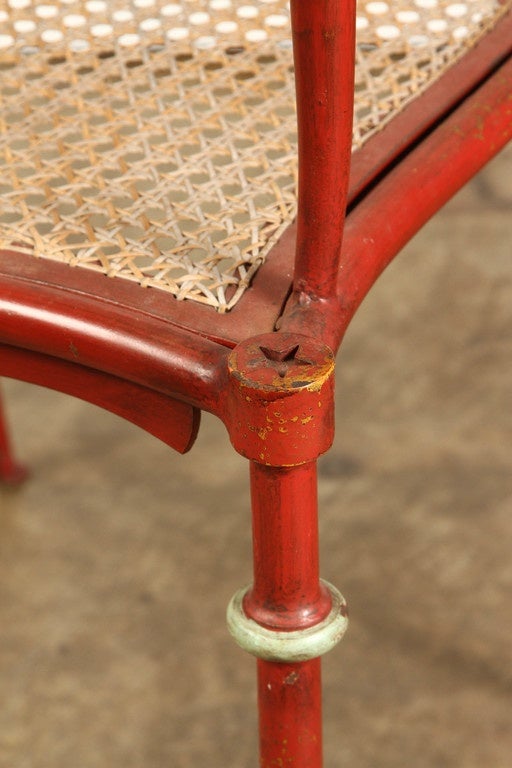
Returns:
point(117, 558)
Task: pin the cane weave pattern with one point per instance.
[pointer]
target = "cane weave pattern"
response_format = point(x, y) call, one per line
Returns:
point(156, 141)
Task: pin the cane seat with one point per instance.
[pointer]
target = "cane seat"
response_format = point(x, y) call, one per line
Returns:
point(155, 142)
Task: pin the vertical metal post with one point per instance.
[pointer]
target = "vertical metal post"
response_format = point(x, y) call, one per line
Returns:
point(287, 595)
point(324, 51)
point(281, 418)
point(286, 592)
point(290, 714)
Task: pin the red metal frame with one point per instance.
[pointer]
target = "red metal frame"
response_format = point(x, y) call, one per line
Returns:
point(156, 361)
point(281, 394)
point(324, 49)
point(290, 713)
point(172, 421)
point(406, 198)
point(286, 595)
point(422, 114)
point(110, 337)
point(286, 592)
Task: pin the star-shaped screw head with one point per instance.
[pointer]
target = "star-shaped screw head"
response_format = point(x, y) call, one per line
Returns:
point(281, 357)
point(280, 407)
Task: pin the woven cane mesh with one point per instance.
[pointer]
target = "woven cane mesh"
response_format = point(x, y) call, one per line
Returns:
point(156, 141)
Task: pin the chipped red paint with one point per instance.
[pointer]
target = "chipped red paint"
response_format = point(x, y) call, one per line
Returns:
point(286, 595)
point(75, 331)
point(290, 712)
point(280, 402)
point(281, 417)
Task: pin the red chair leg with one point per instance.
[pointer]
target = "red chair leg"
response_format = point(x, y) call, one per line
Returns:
point(288, 618)
point(280, 416)
point(11, 472)
point(287, 595)
point(290, 711)
point(281, 411)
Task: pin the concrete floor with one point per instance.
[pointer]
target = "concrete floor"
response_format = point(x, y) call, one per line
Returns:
point(117, 558)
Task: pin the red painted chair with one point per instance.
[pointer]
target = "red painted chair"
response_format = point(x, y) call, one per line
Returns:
point(154, 259)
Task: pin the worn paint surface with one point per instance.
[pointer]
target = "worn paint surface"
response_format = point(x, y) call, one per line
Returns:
point(287, 646)
point(288, 596)
point(281, 399)
point(290, 714)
